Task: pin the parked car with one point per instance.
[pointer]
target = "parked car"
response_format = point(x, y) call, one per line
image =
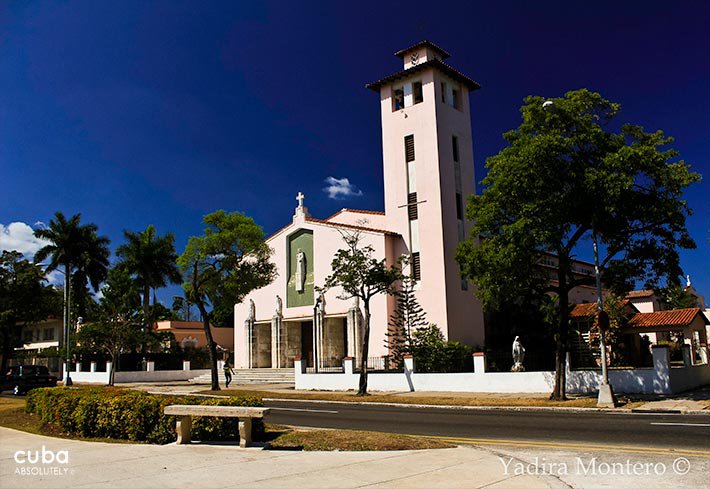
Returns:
point(21, 378)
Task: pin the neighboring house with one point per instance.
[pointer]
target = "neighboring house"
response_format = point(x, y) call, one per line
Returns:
point(582, 318)
point(40, 336)
point(191, 334)
point(677, 326)
point(646, 300)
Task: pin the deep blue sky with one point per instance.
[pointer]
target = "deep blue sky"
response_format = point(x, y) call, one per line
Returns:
point(135, 113)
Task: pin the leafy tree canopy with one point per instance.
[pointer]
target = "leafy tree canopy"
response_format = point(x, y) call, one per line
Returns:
point(567, 171)
point(222, 266)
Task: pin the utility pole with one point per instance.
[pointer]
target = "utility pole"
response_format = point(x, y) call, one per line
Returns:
point(606, 393)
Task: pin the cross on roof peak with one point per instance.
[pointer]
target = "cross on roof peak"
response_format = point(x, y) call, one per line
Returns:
point(300, 197)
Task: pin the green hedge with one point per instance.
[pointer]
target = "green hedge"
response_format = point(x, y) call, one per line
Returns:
point(101, 412)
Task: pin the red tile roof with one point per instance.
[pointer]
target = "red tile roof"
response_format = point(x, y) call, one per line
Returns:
point(435, 63)
point(640, 293)
point(350, 226)
point(357, 211)
point(675, 317)
point(589, 310)
point(429, 44)
point(583, 310)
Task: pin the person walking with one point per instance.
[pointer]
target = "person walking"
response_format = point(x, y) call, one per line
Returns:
point(227, 373)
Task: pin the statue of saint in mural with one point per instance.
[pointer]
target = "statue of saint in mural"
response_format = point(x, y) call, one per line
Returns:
point(300, 270)
point(279, 306)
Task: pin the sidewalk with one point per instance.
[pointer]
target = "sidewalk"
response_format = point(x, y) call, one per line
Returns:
point(98, 465)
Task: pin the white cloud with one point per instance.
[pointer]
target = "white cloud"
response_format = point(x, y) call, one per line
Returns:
point(341, 188)
point(20, 237)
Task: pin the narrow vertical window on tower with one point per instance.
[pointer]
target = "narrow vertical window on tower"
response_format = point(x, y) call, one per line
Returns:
point(456, 99)
point(416, 266)
point(409, 147)
point(397, 99)
point(417, 92)
point(412, 206)
point(443, 92)
point(412, 209)
point(459, 197)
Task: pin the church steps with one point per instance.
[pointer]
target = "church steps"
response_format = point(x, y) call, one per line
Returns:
point(252, 376)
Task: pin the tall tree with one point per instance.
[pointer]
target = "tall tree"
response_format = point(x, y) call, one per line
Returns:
point(118, 327)
point(74, 249)
point(151, 259)
point(677, 297)
point(565, 174)
point(407, 318)
point(22, 300)
point(221, 267)
point(359, 274)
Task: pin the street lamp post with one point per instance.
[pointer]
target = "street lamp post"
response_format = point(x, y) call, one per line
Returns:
point(606, 393)
point(67, 320)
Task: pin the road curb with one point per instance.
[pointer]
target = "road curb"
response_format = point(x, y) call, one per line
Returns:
point(470, 408)
point(554, 409)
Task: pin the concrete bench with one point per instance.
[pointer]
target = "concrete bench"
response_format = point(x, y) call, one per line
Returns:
point(185, 412)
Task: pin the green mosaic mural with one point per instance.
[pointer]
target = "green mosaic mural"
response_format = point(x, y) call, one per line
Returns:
point(300, 240)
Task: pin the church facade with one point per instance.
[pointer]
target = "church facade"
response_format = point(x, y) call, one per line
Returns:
point(428, 171)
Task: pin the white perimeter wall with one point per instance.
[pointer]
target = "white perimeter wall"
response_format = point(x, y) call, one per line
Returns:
point(661, 379)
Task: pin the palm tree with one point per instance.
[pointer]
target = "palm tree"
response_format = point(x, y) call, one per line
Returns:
point(79, 252)
point(151, 259)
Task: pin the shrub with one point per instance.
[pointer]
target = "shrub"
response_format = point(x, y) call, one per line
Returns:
point(130, 415)
point(434, 354)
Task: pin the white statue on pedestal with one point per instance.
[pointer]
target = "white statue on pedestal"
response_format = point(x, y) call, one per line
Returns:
point(518, 356)
point(279, 306)
point(300, 270)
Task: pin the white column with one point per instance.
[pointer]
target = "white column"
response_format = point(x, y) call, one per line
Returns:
point(479, 363)
point(348, 365)
point(408, 364)
point(92, 367)
point(248, 343)
point(150, 366)
point(186, 364)
point(275, 342)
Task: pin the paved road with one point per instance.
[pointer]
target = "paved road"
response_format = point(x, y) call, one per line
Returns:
point(666, 431)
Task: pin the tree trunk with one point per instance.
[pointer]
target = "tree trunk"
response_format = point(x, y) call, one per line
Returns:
point(114, 361)
point(146, 305)
point(559, 392)
point(5, 346)
point(362, 390)
point(211, 345)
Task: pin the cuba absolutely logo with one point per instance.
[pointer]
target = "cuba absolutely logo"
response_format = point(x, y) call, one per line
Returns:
point(41, 462)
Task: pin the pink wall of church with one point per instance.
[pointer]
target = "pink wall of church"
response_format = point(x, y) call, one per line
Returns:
point(326, 242)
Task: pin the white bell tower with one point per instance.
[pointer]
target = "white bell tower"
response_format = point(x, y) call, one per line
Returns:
point(428, 171)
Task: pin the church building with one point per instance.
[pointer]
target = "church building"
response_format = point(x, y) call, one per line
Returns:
point(428, 171)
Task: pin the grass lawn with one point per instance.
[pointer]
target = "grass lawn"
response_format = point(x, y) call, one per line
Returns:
point(13, 415)
point(280, 437)
point(459, 400)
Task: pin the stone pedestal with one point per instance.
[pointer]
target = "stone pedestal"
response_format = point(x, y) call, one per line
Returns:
point(606, 398)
